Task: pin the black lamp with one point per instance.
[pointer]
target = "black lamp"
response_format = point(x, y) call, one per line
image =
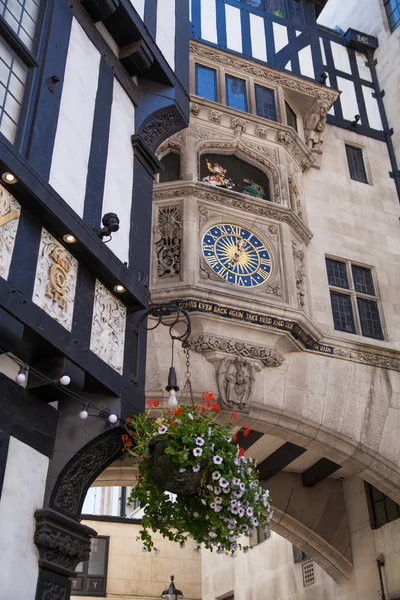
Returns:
point(172, 593)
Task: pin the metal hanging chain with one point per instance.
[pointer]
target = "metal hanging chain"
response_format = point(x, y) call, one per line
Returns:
point(187, 391)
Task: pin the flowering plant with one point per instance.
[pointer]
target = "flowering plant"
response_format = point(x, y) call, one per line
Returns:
point(228, 501)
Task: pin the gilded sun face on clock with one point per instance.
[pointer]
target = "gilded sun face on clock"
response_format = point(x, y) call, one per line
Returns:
point(236, 255)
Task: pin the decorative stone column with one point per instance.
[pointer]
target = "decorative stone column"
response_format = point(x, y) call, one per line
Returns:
point(62, 543)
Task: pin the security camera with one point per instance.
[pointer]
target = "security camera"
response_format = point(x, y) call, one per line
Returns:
point(111, 225)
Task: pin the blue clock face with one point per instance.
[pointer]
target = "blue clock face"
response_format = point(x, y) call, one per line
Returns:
point(236, 255)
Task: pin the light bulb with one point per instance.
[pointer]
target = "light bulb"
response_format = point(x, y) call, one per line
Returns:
point(21, 377)
point(172, 401)
point(113, 419)
point(69, 238)
point(83, 414)
point(9, 177)
point(65, 380)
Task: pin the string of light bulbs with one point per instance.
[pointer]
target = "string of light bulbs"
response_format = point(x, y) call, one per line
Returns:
point(64, 380)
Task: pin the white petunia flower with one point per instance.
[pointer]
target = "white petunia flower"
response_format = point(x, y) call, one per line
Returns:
point(196, 468)
point(200, 441)
point(223, 482)
point(216, 475)
point(198, 451)
point(217, 459)
point(162, 429)
point(182, 470)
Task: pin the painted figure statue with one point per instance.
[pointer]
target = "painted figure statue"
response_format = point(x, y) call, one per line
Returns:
point(217, 177)
point(253, 189)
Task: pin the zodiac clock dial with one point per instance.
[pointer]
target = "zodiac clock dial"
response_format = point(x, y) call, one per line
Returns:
point(236, 255)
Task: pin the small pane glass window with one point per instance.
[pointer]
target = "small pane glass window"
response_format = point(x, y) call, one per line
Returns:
point(265, 103)
point(21, 15)
point(296, 12)
point(13, 74)
point(255, 3)
point(206, 83)
point(369, 318)
point(342, 313)
point(236, 93)
point(291, 117)
point(355, 160)
point(277, 8)
point(363, 281)
point(337, 273)
point(393, 13)
point(382, 508)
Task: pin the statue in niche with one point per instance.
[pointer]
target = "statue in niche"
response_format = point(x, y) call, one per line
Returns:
point(295, 196)
point(315, 125)
point(217, 177)
point(235, 378)
point(251, 188)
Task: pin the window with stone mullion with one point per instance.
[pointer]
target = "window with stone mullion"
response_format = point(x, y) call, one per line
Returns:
point(393, 13)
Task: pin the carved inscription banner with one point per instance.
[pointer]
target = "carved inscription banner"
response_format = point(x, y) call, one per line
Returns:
point(267, 321)
point(9, 215)
point(55, 282)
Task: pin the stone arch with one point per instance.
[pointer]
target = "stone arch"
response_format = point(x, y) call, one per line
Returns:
point(262, 157)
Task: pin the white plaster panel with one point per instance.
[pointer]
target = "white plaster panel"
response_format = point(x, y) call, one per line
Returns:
point(70, 159)
point(280, 36)
point(108, 328)
point(10, 210)
point(55, 281)
point(372, 108)
point(306, 62)
point(322, 47)
point(348, 98)
point(23, 492)
point(341, 58)
point(208, 17)
point(233, 28)
point(119, 171)
point(165, 35)
point(288, 65)
point(138, 5)
point(363, 70)
point(258, 41)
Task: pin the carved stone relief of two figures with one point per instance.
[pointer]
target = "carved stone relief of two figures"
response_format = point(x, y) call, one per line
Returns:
point(315, 125)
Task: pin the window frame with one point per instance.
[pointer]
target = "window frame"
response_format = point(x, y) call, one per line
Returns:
point(369, 490)
point(287, 106)
point(387, 5)
point(246, 95)
point(32, 60)
point(198, 66)
point(351, 292)
point(364, 162)
point(83, 575)
point(263, 87)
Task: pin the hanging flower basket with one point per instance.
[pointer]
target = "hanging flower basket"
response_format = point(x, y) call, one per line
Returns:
point(217, 499)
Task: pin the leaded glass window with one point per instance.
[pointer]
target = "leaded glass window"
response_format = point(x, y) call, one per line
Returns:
point(291, 117)
point(265, 103)
point(236, 96)
point(382, 508)
point(287, 9)
point(21, 16)
point(13, 75)
point(206, 83)
point(393, 13)
point(355, 160)
point(355, 305)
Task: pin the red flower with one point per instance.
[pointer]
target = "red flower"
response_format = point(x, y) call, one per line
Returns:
point(234, 414)
point(178, 410)
point(156, 403)
point(196, 406)
point(128, 419)
point(235, 437)
point(241, 452)
point(246, 430)
point(216, 407)
point(208, 395)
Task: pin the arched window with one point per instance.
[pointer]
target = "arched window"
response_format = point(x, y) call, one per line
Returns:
point(229, 172)
point(172, 167)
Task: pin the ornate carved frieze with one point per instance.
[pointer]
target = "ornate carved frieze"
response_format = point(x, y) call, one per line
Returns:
point(370, 358)
point(10, 211)
point(235, 200)
point(295, 196)
point(108, 328)
point(55, 282)
point(300, 272)
point(168, 240)
point(283, 137)
point(206, 133)
point(59, 546)
point(324, 94)
point(204, 344)
point(160, 127)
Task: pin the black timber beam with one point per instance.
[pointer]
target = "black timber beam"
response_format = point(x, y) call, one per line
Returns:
point(278, 460)
point(319, 471)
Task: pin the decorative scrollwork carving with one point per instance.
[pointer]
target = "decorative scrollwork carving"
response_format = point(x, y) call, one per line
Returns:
point(238, 124)
point(160, 127)
point(300, 270)
point(204, 344)
point(168, 239)
point(9, 214)
point(53, 591)
point(283, 137)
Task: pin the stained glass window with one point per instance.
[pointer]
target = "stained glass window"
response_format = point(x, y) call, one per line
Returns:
point(236, 96)
point(265, 103)
point(206, 83)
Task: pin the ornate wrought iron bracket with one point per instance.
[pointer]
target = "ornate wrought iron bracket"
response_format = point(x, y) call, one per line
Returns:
point(169, 315)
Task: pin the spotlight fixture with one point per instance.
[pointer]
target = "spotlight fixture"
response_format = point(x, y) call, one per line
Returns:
point(119, 288)
point(21, 377)
point(84, 413)
point(65, 380)
point(113, 419)
point(111, 225)
point(69, 238)
point(9, 177)
point(356, 119)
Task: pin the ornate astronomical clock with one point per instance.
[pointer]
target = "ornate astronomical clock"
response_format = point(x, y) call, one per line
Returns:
point(236, 255)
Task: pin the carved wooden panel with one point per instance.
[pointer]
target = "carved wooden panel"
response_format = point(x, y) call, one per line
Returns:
point(10, 210)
